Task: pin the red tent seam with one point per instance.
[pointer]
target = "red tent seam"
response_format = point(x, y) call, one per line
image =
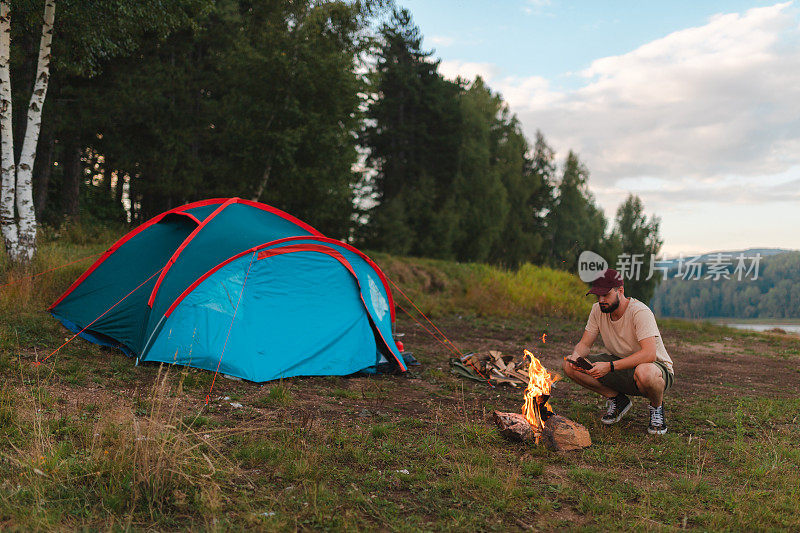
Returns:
point(356, 251)
point(183, 245)
point(285, 250)
point(128, 236)
point(348, 247)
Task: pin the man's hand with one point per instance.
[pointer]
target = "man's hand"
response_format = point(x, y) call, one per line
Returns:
point(572, 359)
point(599, 369)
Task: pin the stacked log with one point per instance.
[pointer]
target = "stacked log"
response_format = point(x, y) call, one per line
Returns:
point(498, 368)
point(559, 433)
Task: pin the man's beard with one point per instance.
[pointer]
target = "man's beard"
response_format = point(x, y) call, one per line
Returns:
point(609, 308)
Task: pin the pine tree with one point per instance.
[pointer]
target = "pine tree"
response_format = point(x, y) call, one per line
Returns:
point(413, 139)
point(576, 223)
point(528, 183)
point(633, 235)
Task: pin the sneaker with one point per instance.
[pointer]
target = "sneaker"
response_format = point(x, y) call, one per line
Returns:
point(658, 426)
point(617, 407)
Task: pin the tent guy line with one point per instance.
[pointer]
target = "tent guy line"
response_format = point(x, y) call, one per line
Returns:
point(447, 343)
point(37, 363)
point(227, 337)
point(32, 276)
point(446, 340)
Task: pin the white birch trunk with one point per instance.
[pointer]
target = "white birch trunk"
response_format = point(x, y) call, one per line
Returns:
point(8, 224)
point(25, 207)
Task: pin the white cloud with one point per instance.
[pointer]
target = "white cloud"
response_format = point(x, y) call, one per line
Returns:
point(468, 70)
point(704, 102)
point(535, 6)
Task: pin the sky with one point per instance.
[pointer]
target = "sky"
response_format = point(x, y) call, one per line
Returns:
point(692, 106)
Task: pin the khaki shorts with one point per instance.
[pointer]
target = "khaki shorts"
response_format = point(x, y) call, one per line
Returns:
point(622, 380)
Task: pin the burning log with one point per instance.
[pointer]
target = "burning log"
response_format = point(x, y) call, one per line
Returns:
point(560, 433)
point(537, 419)
point(514, 426)
point(563, 435)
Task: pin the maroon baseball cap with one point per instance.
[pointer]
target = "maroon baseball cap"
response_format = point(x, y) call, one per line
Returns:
point(609, 280)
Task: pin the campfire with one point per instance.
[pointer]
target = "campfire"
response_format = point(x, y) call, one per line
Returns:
point(537, 418)
point(536, 409)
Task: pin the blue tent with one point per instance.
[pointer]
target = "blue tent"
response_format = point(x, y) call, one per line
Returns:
point(238, 286)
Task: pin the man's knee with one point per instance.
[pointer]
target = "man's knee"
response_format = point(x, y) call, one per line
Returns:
point(567, 368)
point(648, 375)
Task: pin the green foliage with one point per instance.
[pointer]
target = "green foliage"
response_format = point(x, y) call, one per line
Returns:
point(196, 99)
point(252, 100)
point(575, 222)
point(279, 396)
point(8, 415)
point(71, 465)
point(443, 287)
point(453, 178)
point(528, 183)
point(481, 198)
point(413, 140)
point(289, 102)
point(153, 105)
point(88, 33)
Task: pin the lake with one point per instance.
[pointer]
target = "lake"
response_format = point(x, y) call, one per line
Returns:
point(789, 328)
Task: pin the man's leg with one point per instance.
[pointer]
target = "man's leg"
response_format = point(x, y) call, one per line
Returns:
point(588, 382)
point(650, 381)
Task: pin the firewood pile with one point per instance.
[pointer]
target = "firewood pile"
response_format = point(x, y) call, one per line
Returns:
point(494, 367)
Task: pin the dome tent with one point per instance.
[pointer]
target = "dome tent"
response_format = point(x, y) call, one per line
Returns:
point(238, 286)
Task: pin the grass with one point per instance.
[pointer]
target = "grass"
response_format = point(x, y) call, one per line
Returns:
point(445, 288)
point(279, 395)
point(152, 471)
point(103, 462)
point(89, 442)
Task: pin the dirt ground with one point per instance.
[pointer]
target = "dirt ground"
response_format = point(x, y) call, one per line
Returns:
point(765, 364)
point(705, 363)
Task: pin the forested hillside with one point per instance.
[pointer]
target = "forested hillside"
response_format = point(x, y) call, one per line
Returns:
point(775, 293)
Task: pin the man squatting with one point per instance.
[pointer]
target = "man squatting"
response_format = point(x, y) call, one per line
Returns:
point(637, 363)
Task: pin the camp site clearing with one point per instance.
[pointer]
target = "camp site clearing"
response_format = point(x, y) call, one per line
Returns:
point(92, 441)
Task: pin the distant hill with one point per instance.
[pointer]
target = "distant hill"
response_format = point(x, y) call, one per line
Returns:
point(775, 293)
point(704, 258)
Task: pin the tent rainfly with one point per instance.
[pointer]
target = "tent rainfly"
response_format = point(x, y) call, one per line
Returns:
point(240, 287)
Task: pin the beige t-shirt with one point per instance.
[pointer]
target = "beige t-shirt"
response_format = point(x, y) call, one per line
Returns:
point(621, 337)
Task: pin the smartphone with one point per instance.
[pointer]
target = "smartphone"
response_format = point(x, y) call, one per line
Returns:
point(583, 363)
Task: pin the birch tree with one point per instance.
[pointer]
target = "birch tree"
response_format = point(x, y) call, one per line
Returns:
point(19, 227)
point(9, 168)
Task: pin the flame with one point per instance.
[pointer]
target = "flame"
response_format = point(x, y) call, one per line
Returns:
point(540, 381)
